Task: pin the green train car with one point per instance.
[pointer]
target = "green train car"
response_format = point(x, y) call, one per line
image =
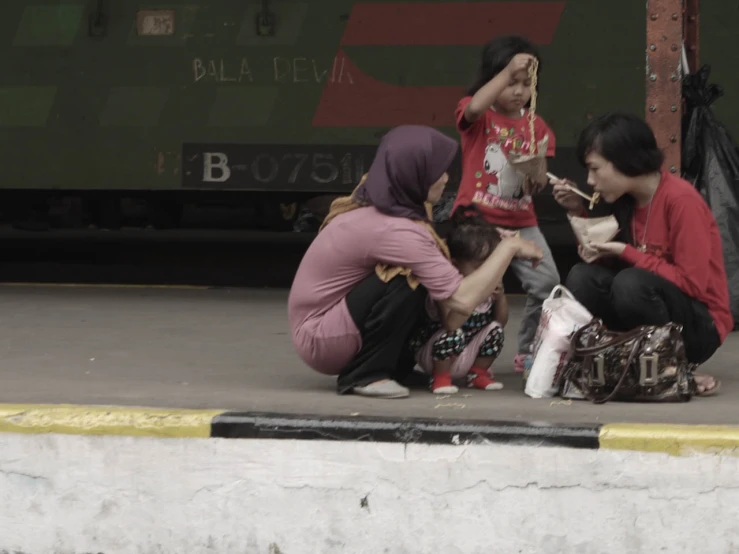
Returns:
point(235, 113)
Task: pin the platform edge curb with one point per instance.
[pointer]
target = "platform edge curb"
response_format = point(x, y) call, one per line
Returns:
point(234, 425)
point(71, 419)
point(675, 440)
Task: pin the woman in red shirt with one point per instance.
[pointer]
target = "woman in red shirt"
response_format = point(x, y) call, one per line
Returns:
point(667, 263)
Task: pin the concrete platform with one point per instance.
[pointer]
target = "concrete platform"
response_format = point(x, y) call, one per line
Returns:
point(229, 349)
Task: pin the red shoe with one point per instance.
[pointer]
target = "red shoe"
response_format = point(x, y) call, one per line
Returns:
point(480, 379)
point(442, 384)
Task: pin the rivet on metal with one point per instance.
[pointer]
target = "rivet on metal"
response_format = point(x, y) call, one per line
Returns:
point(674, 17)
point(652, 108)
point(652, 77)
point(673, 47)
point(673, 169)
point(652, 47)
point(654, 17)
point(674, 77)
point(673, 139)
point(673, 109)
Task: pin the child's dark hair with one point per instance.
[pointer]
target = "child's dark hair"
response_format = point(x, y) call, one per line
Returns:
point(497, 54)
point(471, 237)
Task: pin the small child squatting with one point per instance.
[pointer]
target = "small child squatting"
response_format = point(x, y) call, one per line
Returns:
point(468, 352)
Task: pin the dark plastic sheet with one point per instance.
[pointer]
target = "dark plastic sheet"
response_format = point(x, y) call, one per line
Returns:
point(710, 160)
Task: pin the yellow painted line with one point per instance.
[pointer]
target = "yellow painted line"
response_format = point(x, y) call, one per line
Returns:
point(677, 440)
point(105, 286)
point(105, 420)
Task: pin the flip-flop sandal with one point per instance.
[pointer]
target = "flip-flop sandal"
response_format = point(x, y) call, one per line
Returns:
point(713, 390)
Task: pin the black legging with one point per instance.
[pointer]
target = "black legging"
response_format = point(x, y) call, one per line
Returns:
point(632, 297)
point(386, 314)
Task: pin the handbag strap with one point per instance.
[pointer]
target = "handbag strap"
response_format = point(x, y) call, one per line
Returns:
point(640, 333)
point(574, 340)
point(632, 356)
point(618, 340)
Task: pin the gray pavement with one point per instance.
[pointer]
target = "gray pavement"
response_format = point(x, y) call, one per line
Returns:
point(230, 349)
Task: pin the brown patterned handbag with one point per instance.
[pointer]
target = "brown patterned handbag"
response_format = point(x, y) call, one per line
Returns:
point(646, 364)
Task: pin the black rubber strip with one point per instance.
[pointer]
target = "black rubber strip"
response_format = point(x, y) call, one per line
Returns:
point(234, 425)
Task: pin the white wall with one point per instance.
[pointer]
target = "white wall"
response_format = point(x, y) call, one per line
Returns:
point(120, 495)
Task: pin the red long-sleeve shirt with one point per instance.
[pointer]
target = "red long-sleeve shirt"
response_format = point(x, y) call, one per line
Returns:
point(683, 246)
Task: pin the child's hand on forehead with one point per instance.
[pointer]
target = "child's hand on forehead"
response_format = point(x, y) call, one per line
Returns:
point(520, 62)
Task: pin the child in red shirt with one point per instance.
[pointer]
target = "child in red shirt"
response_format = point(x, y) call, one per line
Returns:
point(493, 123)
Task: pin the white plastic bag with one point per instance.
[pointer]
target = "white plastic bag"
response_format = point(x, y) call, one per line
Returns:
point(561, 316)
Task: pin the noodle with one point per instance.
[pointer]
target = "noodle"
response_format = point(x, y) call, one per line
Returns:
point(534, 76)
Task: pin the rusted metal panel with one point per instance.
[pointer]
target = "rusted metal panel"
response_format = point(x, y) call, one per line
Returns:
point(664, 76)
point(691, 33)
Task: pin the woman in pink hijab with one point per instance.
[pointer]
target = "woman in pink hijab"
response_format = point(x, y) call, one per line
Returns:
point(352, 318)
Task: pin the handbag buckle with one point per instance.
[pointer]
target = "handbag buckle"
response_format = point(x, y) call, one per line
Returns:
point(649, 370)
point(597, 373)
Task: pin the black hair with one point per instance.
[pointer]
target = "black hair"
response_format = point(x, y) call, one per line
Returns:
point(625, 140)
point(628, 142)
point(471, 237)
point(497, 54)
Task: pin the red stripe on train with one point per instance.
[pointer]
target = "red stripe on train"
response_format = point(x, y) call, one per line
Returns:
point(355, 99)
point(449, 23)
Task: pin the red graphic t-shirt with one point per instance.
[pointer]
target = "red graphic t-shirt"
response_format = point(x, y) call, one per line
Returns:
point(488, 180)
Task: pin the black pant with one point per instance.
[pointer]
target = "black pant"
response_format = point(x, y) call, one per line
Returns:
point(632, 297)
point(386, 314)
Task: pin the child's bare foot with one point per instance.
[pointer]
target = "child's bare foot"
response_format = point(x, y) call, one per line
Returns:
point(442, 384)
point(480, 379)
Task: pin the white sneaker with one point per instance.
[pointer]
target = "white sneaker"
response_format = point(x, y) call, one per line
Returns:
point(383, 389)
